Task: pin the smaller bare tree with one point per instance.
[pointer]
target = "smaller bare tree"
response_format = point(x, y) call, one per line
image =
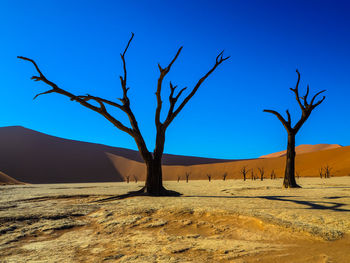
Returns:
point(262, 172)
point(297, 174)
point(252, 174)
point(320, 172)
point(273, 175)
point(327, 171)
point(209, 177)
point(244, 172)
point(135, 178)
point(178, 178)
point(187, 176)
point(224, 176)
point(128, 178)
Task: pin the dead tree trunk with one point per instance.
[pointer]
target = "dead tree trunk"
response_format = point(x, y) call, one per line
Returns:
point(327, 171)
point(262, 172)
point(244, 172)
point(154, 180)
point(273, 174)
point(187, 176)
point(178, 178)
point(209, 177)
point(306, 109)
point(128, 178)
point(320, 171)
point(224, 176)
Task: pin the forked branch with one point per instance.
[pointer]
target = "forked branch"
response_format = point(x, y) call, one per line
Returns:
point(306, 108)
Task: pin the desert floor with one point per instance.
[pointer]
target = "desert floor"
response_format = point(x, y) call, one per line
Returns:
point(220, 221)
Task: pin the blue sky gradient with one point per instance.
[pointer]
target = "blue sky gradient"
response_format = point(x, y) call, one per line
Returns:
point(77, 46)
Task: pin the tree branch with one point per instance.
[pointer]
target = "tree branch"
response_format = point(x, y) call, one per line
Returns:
point(163, 73)
point(286, 124)
point(296, 91)
point(125, 99)
point(219, 59)
point(81, 99)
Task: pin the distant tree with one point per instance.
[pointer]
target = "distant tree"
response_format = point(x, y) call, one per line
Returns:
point(244, 172)
point(154, 180)
point(320, 172)
point(262, 172)
point(135, 178)
point(327, 171)
point(306, 109)
point(298, 174)
point(127, 178)
point(187, 176)
point(209, 177)
point(252, 174)
point(178, 178)
point(273, 175)
point(224, 176)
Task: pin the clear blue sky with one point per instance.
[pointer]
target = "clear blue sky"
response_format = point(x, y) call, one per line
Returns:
point(77, 45)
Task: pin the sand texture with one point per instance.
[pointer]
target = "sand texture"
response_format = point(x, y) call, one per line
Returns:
point(220, 221)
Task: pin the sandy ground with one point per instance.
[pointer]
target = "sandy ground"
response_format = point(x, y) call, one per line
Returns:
point(220, 221)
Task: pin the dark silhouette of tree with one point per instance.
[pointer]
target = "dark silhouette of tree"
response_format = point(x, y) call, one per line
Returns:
point(320, 172)
point(224, 176)
point(187, 176)
point(128, 178)
point(178, 178)
point(135, 178)
point(327, 171)
point(244, 172)
point(262, 172)
point(209, 177)
point(252, 174)
point(273, 175)
point(306, 109)
point(154, 180)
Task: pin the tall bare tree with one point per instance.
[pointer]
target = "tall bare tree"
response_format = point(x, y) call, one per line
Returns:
point(154, 181)
point(306, 109)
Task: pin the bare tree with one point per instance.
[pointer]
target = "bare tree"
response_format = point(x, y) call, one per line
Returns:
point(128, 178)
point(262, 172)
point(154, 181)
point(224, 176)
point(327, 171)
point(273, 175)
point(135, 178)
point(187, 176)
point(178, 178)
point(209, 177)
point(297, 174)
point(320, 172)
point(306, 109)
point(252, 174)
point(244, 172)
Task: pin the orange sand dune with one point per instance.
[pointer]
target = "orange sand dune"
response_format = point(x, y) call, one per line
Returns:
point(304, 148)
point(35, 157)
point(5, 179)
point(307, 164)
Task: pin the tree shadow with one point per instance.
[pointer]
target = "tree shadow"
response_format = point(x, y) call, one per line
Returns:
point(141, 192)
point(318, 205)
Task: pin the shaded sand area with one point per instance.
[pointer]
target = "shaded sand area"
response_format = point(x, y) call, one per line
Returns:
point(220, 221)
